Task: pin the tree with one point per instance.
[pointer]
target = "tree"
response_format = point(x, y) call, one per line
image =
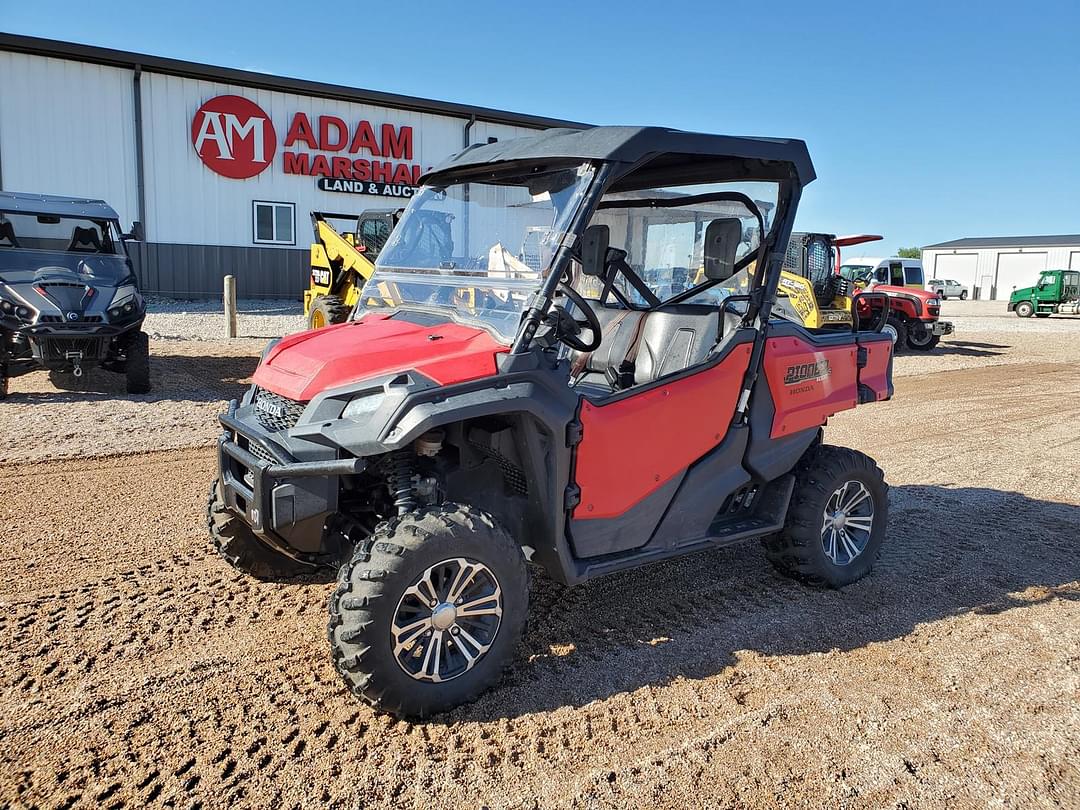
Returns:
point(909, 253)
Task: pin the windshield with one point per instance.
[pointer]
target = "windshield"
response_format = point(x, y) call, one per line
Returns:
point(856, 272)
point(34, 247)
point(478, 251)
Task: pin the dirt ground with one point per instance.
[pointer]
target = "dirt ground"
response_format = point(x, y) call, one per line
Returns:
point(138, 669)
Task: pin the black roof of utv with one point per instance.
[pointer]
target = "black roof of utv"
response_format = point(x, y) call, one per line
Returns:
point(677, 156)
point(51, 204)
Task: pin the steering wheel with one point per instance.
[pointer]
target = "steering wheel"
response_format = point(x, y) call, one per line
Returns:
point(567, 328)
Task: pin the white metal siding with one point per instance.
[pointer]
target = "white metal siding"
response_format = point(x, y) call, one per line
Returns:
point(189, 203)
point(1018, 270)
point(956, 266)
point(67, 128)
point(985, 276)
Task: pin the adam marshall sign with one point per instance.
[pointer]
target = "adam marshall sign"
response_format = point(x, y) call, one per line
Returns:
point(235, 138)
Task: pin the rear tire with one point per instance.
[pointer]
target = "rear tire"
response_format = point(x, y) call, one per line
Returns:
point(137, 366)
point(897, 330)
point(234, 541)
point(819, 546)
point(1024, 309)
point(449, 658)
point(326, 310)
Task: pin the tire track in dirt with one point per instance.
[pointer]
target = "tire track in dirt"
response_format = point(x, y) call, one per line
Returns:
point(140, 670)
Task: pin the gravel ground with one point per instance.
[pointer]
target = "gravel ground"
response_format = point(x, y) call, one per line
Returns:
point(205, 319)
point(139, 669)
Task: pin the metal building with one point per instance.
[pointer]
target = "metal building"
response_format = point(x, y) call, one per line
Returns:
point(221, 167)
point(991, 267)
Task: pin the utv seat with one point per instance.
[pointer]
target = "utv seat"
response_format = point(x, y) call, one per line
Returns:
point(85, 240)
point(675, 337)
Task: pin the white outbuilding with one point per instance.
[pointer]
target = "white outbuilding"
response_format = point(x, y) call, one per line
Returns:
point(991, 267)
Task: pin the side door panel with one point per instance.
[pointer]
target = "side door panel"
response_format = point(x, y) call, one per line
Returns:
point(635, 450)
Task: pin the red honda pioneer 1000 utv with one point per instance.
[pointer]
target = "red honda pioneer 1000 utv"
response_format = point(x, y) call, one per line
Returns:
point(620, 400)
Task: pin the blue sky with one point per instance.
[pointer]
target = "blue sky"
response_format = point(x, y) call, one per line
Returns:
point(926, 121)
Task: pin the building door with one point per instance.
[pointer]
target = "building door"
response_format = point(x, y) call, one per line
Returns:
point(1017, 270)
point(959, 266)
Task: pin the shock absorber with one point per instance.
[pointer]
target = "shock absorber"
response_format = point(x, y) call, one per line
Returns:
point(399, 476)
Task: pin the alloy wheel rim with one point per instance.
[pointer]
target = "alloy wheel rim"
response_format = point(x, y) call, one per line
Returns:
point(920, 335)
point(847, 523)
point(890, 330)
point(446, 620)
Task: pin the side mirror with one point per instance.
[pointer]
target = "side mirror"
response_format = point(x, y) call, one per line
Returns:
point(594, 247)
point(136, 232)
point(722, 239)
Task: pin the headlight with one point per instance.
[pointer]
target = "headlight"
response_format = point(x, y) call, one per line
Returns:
point(122, 294)
point(933, 302)
point(361, 408)
point(123, 302)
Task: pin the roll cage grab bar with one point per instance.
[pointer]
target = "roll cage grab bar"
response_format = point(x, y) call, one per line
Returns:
point(568, 249)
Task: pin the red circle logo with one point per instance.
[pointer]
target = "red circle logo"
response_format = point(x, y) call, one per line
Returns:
point(233, 136)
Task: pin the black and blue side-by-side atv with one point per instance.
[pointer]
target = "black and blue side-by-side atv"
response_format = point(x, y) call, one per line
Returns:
point(69, 298)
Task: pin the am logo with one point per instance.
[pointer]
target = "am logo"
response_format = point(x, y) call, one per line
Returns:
point(233, 136)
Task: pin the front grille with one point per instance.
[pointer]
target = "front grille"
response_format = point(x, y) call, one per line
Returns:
point(59, 348)
point(260, 452)
point(276, 412)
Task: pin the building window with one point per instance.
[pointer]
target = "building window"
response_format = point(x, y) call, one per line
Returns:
point(273, 223)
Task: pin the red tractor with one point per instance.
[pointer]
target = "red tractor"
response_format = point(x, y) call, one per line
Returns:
point(914, 313)
point(627, 397)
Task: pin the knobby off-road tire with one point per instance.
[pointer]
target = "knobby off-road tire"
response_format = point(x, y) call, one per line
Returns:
point(897, 329)
point(327, 310)
point(801, 550)
point(137, 366)
point(234, 541)
point(389, 665)
point(1024, 309)
point(922, 339)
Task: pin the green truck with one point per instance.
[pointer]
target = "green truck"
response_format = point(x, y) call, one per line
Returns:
point(1057, 293)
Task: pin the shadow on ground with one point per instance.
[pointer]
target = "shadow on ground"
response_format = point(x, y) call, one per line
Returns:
point(963, 348)
point(948, 552)
point(187, 378)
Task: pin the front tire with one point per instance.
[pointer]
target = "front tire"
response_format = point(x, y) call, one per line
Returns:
point(1024, 309)
point(836, 521)
point(963, 295)
point(137, 365)
point(327, 310)
point(921, 338)
point(234, 541)
point(428, 612)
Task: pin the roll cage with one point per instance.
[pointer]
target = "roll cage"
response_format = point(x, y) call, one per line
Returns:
point(639, 158)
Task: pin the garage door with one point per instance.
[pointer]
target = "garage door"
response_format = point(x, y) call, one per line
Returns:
point(1074, 260)
point(957, 266)
point(1018, 270)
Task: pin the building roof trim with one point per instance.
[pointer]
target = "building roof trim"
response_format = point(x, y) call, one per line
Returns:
point(94, 54)
point(1057, 240)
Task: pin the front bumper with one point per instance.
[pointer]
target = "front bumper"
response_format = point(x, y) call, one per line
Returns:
point(283, 500)
point(941, 328)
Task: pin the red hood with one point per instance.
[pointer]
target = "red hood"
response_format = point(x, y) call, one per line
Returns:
point(308, 363)
point(913, 291)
